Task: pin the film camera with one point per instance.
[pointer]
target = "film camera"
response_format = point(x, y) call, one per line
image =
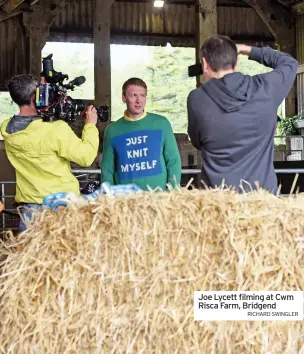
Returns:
point(52, 100)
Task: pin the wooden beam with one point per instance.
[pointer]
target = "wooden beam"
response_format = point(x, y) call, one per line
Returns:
point(206, 26)
point(37, 40)
point(102, 54)
point(281, 24)
point(11, 5)
point(24, 7)
point(88, 32)
point(262, 15)
point(47, 10)
point(279, 21)
point(37, 24)
point(4, 17)
point(74, 34)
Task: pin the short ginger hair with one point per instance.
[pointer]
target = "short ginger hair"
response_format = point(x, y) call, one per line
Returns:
point(133, 81)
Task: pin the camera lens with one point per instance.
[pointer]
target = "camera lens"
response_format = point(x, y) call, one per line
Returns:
point(103, 113)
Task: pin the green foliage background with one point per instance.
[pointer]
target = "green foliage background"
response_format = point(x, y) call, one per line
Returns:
point(164, 69)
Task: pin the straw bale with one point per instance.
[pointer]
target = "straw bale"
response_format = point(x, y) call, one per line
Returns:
point(118, 275)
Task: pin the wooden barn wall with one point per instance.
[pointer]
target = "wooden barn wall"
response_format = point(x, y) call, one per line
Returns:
point(13, 41)
point(300, 39)
point(132, 23)
point(300, 57)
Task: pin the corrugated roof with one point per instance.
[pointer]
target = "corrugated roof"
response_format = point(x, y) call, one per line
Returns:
point(140, 23)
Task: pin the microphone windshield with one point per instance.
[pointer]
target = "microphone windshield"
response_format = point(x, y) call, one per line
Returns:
point(78, 81)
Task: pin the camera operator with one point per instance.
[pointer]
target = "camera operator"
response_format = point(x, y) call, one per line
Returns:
point(232, 117)
point(40, 151)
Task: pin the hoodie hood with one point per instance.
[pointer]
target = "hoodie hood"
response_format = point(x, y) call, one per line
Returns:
point(19, 123)
point(230, 92)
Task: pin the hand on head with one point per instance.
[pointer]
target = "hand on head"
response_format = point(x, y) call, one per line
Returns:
point(243, 49)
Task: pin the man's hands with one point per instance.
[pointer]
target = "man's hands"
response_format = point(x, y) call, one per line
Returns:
point(243, 49)
point(91, 115)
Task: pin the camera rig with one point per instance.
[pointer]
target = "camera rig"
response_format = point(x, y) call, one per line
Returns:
point(52, 100)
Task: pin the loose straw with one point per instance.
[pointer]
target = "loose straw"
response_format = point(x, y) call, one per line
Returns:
point(118, 275)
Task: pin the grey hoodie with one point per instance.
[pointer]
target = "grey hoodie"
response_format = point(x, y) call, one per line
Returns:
point(232, 121)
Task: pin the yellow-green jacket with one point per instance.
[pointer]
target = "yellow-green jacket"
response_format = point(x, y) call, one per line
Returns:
point(41, 155)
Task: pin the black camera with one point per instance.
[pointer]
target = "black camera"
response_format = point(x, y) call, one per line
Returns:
point(195, 70)
point(52, 100)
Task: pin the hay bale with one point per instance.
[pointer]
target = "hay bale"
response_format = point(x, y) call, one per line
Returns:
point(118, 275)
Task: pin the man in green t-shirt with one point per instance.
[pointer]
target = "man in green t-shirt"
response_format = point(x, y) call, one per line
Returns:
point(140, 147)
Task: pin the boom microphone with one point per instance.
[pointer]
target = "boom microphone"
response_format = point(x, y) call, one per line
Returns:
point(78, 81)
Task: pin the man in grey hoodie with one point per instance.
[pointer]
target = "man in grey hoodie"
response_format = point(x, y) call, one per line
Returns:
point(232, 117)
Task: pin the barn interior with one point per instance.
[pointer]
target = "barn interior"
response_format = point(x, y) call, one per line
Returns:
point(27, 25)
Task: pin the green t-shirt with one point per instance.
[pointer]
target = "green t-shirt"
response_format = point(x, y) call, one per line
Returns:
point(142, 151)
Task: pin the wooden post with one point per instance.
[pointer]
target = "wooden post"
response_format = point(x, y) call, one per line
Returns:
point(37, 24)
point(37, 40)
point(102, 54)
point(206, 24)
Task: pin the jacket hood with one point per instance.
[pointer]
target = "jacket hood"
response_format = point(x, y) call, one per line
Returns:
point(230, 92)
point(19, 123)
